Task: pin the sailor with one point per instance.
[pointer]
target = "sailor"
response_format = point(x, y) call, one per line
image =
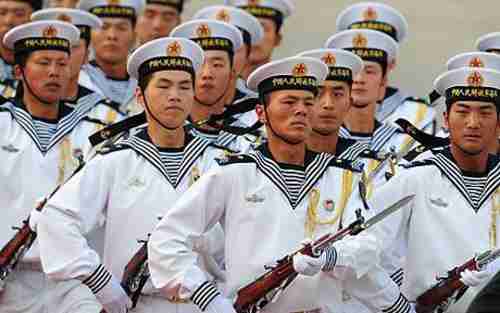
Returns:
point(394, 103)
point(297, 184)
point(146, 172)
point(158, 19)
point(42, 141)
point(107, 73)
point(272, 15)
point(456, 190)
point(108, 111)
point(219, 40)
point(334, 102)
point(14, 13)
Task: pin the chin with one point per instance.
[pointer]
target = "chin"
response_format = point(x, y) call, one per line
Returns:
point(472, 149)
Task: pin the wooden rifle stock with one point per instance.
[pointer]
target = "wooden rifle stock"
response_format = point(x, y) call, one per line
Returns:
point(252, 297)
point(446, 288)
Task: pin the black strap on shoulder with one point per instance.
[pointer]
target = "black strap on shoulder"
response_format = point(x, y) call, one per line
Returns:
point(420, 136)
point(117, 128)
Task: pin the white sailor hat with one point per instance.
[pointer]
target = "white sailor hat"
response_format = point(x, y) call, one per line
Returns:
point(375, 16)
point(369, 45)
point(84, 20)
point(210, 34)
point(469, 84)
point(343, 65)
point(276, 10)
point(113, 8)
point(489, 42)
point(168, 53)
point(176, 4)
point(249, 25)
point(474, 59)
point(42, 35)
point(293, 73)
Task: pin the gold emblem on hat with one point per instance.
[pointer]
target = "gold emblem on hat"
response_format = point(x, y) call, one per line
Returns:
point(329, 59)
point(359, 41)
point(254, 3)
point(65, 18)
point(299, 70)
point(113, 2)
point(49, 31)
point(174, 49)
point(476, 62)
point(475, 79)
point(203, 31)
point(370, 14)
point(223, 15)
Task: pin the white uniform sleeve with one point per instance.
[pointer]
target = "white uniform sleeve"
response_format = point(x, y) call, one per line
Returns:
point(70, 214)
point(392, 232)
point(172, 259)
point(377, 292)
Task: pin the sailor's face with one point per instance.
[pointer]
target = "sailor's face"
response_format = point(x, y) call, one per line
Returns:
point(288, 113)
point(157, 21)
point(114, 40)
point(263, 51)
point(334, 100)
point(473, 125)
point(47, 73)
point(212, 80)
point(169, 96)
point(368, 85)
point(13, 13)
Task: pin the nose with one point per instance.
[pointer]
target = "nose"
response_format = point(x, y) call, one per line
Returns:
point(359, 79)
point(111, 33)
point(473, 120)
point(54, 69)
point(206, 73)
point(326, 102)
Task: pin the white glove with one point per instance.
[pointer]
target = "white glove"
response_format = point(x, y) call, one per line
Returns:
point(35, 217)
point(310, 266)
point(474, 278)
point(111, 296)
point(220, 304)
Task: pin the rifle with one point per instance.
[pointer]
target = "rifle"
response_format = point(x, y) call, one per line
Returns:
point(14, 250)
point(450, 286)
point(136, 273)
point(265, 289)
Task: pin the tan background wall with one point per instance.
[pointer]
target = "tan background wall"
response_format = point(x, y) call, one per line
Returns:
point(438, 30)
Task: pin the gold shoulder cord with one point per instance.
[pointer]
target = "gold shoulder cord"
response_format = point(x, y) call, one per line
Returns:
point(65, 159)
point(109, 119)
point(8, 92)
point(312, 211)
point(372, 164)
point(195, 175)
point(495, 212)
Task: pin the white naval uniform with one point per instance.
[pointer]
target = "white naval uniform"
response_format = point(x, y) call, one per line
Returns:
point(262, 223)
point(130, 187)
point(398, 105)
point(30, 172)
point(442, 227)
point(120, 91)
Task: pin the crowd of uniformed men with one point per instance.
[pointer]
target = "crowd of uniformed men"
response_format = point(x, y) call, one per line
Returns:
point(226, 160)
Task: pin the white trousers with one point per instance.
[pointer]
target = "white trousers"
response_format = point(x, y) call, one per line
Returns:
point(153, 304)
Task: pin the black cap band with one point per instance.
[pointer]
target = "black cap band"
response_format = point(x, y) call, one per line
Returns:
point(385, 28)
point(41, 43)
point(266, 12)
point(371, 54)
point(215, 43)
point(471, 93)
point(288, 82)
point(114, 11)
point(163, 63)
point(338, 73)
point(84, 32)
point(176, 4)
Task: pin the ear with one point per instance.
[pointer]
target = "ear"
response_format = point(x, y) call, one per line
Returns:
point(383, 86)
point(86, 57)
point(18, 72)
point(139, 96)
point(279, 39)
point(392, 65)
point(261, 113)
point(446, 122)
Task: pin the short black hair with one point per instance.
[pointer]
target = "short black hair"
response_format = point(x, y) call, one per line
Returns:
point(143, 82)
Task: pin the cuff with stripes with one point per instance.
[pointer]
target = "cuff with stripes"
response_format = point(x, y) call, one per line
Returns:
point(331, 259)
point(397, 277)
point(98, 279)
point(402, 305)
point(204, 294)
